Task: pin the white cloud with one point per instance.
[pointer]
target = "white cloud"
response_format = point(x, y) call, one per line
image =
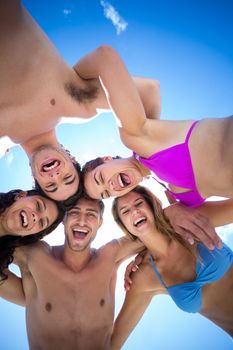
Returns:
point(66, 12)
point(110, 13)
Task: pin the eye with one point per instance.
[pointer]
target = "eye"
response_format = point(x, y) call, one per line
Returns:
point(72, 212)
point(137, 204)
point(90, 214)
point(41, 223)
point(125, 211)
point(50, 186)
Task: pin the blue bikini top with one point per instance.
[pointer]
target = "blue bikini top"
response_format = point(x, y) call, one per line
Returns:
point(213, 265)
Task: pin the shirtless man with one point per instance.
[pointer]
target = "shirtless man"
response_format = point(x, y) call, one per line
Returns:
point(69, 290)
point(38, 88)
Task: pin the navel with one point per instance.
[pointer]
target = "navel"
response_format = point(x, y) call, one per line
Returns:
point(102, 302)
point(53, 101)
point(48, 307)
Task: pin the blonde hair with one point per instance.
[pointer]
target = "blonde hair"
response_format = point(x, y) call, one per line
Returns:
point(162, 223)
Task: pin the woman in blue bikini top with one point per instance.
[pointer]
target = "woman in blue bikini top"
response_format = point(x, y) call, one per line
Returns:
point(197, 279)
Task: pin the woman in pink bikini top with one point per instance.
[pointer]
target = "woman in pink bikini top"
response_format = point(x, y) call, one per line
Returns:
point(194, 158)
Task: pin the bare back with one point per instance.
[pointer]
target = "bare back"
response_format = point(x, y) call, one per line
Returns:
point(67, 309)
point(37, 86)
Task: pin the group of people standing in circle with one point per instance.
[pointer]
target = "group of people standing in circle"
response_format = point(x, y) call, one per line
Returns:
point(180, 253)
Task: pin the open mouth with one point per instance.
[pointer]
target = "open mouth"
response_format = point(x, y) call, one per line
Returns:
point(79, 233)
point(123, 180)
point(50, 165)
point(24, 218)
point(140, 221)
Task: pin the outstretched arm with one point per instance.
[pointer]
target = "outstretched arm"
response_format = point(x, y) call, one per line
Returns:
point(137, 299)
point(105, 64)
point(11, 289)
point(218, 212)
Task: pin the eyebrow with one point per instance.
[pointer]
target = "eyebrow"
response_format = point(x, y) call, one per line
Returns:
point(87, 209)
point(44, 205)
point(97, 182)
point(125, 206)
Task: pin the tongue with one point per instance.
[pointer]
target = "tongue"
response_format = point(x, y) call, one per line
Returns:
point(50, 165)
point(125, 179)
point(79, 234)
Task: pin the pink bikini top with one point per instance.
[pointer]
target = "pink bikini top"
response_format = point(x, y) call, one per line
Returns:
point(174, 166)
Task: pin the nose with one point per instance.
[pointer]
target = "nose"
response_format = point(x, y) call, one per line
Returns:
point(34, 218)
point(54, 173)
point(135, 210)
point(82, 220)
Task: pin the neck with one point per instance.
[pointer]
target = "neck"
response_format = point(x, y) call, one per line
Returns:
point(142, 168)
point(156, 243)
point(48, 138)
point(76, 260)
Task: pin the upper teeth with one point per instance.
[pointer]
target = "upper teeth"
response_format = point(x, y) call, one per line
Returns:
point(139, 220)
point(24, 218)
point(120, 181)
point(80, 230)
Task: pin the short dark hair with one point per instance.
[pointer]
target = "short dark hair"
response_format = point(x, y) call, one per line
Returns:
point(69, 202)
point(8, 243)
point(94, 163)
point(100, 203)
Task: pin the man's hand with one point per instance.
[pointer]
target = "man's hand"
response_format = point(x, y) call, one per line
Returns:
point(192, 225)
point(133, 267)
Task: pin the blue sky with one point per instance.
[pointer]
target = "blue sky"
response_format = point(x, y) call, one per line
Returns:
point(187, 46)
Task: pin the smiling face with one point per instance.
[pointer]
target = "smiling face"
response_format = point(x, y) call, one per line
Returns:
point(28, 215)
point(135, 214)
point(81, 224)
point(114, 177)
point(54, 171)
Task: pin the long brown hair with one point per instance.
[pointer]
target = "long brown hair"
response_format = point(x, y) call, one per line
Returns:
point(162, 223)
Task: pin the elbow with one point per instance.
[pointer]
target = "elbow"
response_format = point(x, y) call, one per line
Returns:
point(107, 52)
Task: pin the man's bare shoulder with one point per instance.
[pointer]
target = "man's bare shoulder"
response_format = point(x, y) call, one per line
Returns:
point(24, 253)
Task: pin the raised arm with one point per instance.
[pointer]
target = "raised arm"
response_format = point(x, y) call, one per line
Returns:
point(11, 289)
point(126, 247)
point(104, 63)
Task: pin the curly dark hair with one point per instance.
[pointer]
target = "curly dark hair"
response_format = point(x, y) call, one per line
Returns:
point(69, 202)
point(8, 243)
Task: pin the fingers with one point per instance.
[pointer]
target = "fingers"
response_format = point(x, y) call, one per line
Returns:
point(210, 237)
point(132, 267)
point(201, 230)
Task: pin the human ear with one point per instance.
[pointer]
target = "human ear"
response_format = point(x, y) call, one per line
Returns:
point(21, 194)
point(106, 158)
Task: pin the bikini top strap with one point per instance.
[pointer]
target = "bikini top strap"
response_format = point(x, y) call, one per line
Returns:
point(190, 131)
point(156, 272)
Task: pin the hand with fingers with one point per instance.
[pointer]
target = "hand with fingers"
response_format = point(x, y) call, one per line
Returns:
point(133, 267)
point(192, 225)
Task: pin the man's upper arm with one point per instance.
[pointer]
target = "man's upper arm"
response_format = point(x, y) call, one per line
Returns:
point(127, 247)
point(12, 290)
